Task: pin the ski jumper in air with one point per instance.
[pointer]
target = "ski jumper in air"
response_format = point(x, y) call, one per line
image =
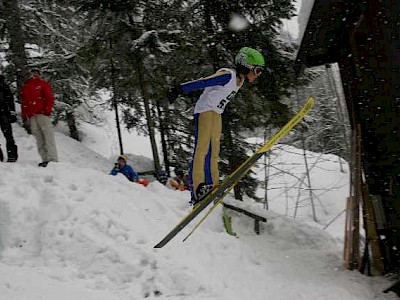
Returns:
point(219, 89)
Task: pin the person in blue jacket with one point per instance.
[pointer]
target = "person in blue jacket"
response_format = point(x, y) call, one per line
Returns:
point(121, 166)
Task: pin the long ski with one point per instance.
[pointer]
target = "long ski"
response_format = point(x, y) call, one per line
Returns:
point(231, 180)
point(253, 159)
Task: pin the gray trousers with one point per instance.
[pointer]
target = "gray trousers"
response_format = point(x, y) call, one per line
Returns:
point(43, 130)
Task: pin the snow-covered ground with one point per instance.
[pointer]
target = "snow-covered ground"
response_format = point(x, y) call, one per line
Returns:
point(321, 202)
point(70, 231)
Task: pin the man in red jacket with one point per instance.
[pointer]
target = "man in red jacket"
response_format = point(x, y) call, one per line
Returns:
point(37, 102)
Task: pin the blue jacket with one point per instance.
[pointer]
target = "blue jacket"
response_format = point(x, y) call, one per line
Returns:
point(127, 171)
point(202, 83)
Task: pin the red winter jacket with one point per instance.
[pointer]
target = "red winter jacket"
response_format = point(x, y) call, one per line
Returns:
point(36, 98)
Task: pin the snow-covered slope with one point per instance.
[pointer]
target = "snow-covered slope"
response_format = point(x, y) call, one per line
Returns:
point(70, 231)
point(320, 202)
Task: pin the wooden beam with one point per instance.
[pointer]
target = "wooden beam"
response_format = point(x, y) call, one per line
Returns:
point(256, 218)
point(372, 238)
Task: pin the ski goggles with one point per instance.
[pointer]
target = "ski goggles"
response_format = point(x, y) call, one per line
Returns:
point(258, 70)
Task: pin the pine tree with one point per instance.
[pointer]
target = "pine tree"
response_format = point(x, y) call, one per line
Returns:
point(12, 30)
point(53, 34)
point(56, 29)
point(121, 34)
point(262, 97)
point(208, 45)
point(157, 43)
point(328, 128)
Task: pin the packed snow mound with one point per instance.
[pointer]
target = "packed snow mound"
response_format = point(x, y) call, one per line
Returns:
point(105, 227)
point(69, 150)
point(71, 231)
point(81, 218)
point(284, 230)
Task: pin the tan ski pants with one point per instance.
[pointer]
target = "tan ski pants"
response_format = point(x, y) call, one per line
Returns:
point(43, 130)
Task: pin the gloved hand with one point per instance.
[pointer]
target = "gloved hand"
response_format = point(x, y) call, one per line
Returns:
point(174, 92)
point(116, 167)
point(182, 187)
point(13, 117)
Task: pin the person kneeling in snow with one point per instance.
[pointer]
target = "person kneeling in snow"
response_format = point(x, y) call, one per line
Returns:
point(179, 182)
point(121, 166)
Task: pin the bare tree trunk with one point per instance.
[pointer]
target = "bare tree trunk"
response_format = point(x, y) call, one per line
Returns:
point(340, 112)
point(115, 102)
point(71, 121)
point(303, 145)
point(309, 183)
point(149, 118)
point(143, 86)
point(267, 161)
point(238, 192)
point(17, 39)
point(164, 134)
point(210, 31)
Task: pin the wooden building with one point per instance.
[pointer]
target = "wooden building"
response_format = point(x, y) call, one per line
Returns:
point(363, 37)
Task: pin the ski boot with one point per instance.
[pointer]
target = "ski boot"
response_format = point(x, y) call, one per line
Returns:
point(202, 190)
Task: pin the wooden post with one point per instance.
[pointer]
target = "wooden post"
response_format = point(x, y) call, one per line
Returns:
point(355, 260)
point(347, 233)
point(352, 233)
point(372, 238)
point(360, 196)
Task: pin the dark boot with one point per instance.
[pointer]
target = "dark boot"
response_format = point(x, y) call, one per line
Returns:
point(12, 153)
point(201, 191)
point(1, 155)
point(43, 164)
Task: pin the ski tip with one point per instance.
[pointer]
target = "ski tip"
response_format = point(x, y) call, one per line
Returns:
point(311, 100)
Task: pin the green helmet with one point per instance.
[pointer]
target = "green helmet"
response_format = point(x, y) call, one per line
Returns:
point(247, 59)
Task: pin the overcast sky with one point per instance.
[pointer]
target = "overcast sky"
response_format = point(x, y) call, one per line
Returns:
point(291, 25)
